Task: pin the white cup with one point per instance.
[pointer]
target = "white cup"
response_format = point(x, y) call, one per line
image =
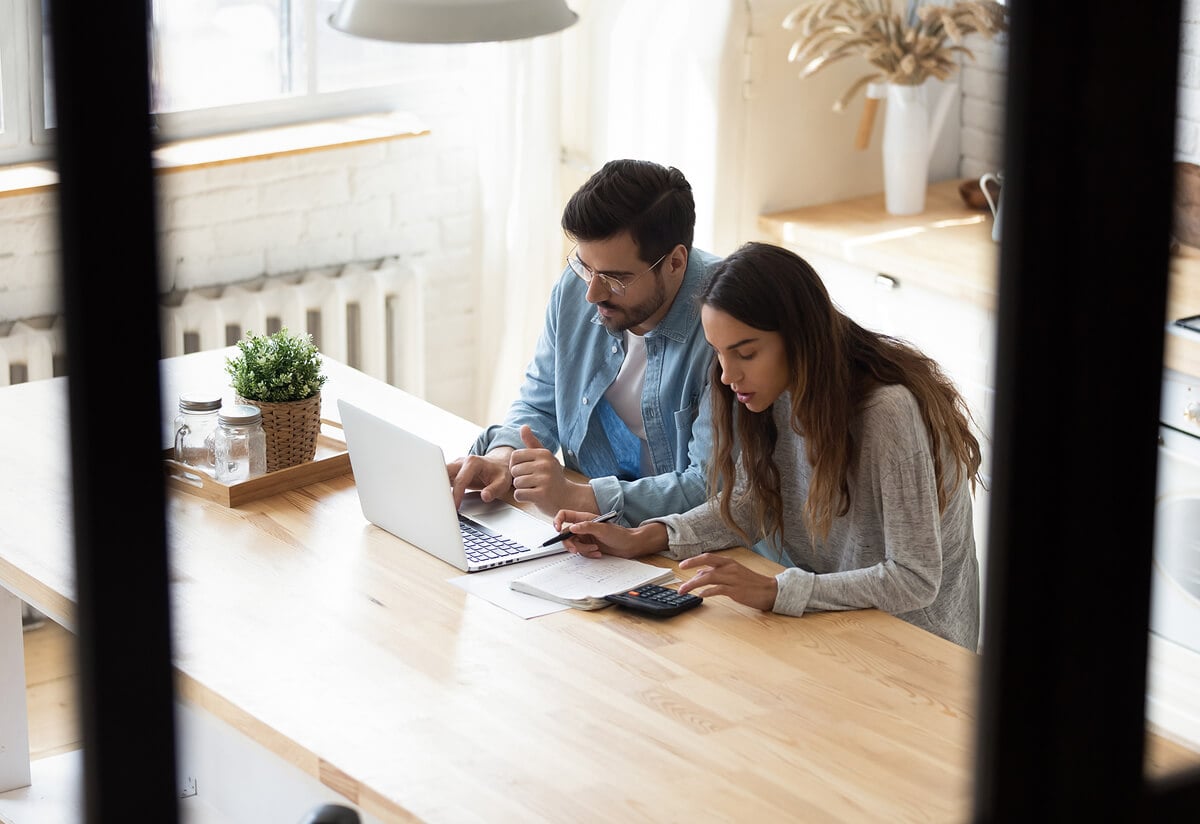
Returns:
point(998, 177)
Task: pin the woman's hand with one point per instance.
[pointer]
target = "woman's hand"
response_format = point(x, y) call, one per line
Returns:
point(592, 540)
point(725, 576)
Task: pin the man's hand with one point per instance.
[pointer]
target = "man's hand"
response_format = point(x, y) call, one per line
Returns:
point(488, 473)
point(538, 478)
point(725, 576)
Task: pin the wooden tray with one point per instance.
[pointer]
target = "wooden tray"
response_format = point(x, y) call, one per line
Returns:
point(331, 460)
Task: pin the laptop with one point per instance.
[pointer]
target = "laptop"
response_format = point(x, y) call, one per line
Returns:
point(403, 488)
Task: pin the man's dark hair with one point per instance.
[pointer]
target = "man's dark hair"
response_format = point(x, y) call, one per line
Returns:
point(653, 203)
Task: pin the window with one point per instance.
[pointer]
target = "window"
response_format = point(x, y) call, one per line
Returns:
point(14, 79)
point(216, 66)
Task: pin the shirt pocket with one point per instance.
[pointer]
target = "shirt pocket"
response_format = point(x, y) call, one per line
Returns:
point(684, 419)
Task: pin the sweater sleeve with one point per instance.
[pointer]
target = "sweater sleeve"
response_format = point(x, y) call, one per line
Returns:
point(702, 529)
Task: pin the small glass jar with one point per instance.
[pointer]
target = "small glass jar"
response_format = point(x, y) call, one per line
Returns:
point(239, 445)
point(194, 428)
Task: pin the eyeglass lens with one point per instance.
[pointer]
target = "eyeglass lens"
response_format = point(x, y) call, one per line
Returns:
point(585, 273)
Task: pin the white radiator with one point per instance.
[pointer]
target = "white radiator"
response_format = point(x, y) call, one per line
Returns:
point(32, 351)
point(370, 317)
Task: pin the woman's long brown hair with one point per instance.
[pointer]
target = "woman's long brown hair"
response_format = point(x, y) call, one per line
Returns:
point(836, 364)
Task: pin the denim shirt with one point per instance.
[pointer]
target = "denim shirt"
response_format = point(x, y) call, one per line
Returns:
point(575, 362)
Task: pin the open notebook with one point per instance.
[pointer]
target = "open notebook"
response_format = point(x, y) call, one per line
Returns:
point(403, 488)
point(582, 582)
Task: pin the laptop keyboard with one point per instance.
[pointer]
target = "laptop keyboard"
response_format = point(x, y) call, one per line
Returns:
point(483, 545)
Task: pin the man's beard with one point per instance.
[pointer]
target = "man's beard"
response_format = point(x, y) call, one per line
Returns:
point(630, 316)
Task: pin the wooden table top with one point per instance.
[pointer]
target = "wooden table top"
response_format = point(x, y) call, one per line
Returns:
point(350, 655)
point(949, 248)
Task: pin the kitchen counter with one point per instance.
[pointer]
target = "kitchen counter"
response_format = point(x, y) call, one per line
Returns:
point(948, 248)
point(1182, 350)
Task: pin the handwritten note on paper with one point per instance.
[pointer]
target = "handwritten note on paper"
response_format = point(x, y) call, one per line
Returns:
point(583, 582)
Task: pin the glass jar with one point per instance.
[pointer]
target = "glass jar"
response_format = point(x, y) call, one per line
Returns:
point(194, 428)
point(239, 445)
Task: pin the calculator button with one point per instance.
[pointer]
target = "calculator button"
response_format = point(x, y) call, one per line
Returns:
point(656, 600)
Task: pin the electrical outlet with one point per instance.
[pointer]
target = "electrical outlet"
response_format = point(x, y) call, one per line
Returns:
point(188, 787)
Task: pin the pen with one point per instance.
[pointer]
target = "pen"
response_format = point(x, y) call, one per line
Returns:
point(599, 519)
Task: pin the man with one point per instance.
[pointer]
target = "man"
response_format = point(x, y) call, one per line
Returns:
point(619, 378)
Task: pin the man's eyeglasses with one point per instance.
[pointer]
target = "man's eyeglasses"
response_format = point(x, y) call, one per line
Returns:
point(614, 285)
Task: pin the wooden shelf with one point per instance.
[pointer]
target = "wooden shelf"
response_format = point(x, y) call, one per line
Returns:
point(240, 147)
point(948, 247)
point(1183, 300)
point(262, 144)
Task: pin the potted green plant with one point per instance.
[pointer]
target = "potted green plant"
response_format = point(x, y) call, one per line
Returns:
point(280, 373)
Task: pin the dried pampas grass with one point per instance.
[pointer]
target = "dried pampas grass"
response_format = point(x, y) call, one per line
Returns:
point(906, 50)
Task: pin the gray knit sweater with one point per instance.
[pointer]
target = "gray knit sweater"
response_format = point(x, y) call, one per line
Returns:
point(891, 550)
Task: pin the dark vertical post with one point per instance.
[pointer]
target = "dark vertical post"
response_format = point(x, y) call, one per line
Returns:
point(1083, 274)
point(110, 288)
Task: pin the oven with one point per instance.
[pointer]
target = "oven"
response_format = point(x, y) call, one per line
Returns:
point(1173, 689)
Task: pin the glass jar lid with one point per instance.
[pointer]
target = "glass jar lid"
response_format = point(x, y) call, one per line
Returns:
point(240, 415)
point(199, 402)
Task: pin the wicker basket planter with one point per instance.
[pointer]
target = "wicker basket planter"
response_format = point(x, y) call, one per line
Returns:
point(291, 428)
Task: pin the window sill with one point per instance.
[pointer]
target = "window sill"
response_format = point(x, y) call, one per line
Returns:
point(262, 144)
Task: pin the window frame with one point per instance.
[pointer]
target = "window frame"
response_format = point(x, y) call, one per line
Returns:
point(21, 134)
point(25, 138)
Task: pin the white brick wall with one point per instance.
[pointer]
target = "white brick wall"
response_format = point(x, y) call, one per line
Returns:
point(28, 256)
point(1187, 123)
point(412, 198)
point(983, 99)
point(983, 80)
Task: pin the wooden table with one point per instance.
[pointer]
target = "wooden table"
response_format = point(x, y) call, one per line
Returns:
point(348, 655)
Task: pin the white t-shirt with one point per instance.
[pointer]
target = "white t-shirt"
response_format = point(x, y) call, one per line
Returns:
point(625, 393)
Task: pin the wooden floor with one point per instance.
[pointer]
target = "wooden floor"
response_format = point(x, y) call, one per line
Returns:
point(54, 719)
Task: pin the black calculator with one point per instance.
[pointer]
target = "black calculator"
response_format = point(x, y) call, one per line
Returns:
point(655, 600)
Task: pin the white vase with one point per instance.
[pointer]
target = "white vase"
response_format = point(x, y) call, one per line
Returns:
point(909, 134)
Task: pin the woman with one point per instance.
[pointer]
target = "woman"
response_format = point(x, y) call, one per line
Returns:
point(848, 450)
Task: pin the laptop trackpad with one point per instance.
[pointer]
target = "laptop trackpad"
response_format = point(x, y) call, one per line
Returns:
point(500, 517)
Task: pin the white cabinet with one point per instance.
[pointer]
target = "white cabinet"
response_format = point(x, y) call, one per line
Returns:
point(958, 334)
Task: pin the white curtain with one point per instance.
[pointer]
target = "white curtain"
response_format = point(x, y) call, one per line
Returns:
point(519, 239)
point(649, 79)
point(663, 83)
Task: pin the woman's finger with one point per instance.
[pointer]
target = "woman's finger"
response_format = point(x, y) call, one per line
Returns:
point(703, 577)
point(593, 529)
point(586, 550)
point(565, 517)
point(710, 559)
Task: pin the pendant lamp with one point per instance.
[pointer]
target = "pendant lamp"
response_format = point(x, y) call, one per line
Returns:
point(451, 21)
